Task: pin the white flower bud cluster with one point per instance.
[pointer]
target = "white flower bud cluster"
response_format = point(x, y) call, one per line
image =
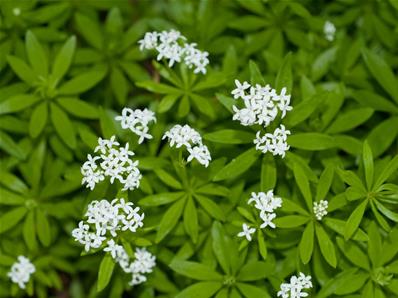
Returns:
point(105, 219)
point(113, 162)
point(273, 142)
point(143, 263)
point(179, 136)
point(266, 203)
point(21, 271)
point(137, 121)
point(294, 289)
point(320, 209)
point(262, 105)
point(172, 46)
point(329, 30)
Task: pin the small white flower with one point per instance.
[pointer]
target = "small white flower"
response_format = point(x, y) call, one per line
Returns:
point(247, 231)
point(143, 264)
point(320, 209)
point(21, 271)
point(113, 162)
point(186, 136)
point(267, 220)
point(266, 203)
point(240, 89)
point(329, 30)
point(276, 143)
point(294, 289)
point(172, 46)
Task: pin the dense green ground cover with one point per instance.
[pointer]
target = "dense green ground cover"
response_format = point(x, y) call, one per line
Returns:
point(68, 68)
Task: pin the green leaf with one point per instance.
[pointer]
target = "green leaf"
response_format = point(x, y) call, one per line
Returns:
point(43, 228)
point(354, 220)
point(253, 270)
point(303, 110)
point(158, 88)
point(210, 81)
point(268, 173)
point(262, 247)
point(38, 120)
point(326, 246)
point(37, 56)
point(374, 101)
point(311, 141)
point(387, 171)
point(211, 207)
point(284, 77)
point(381, 72)
point(9, 146)
point(325, 181)
point(387, 212)
point(29, 231)
point(349, 120)
point(11, 218)
point(322, 63)
point(12, 182)
point(168, 179)
point(82, 82)
point(226, 101)
point(170, 219)
point(338, 226)
point(90, 30)
point(250, 291)
point(230, 136)
point(238, 165)
point(195, 270)
point(191, 220)
point(17, 103)
point(200, 290)
point(64, 59)
point(291, 221)
point(255, 74)
point(23, 71)
point(367, 159)
point(184, 107)
point(220, 247)
point(10, 198)
point(204, 105)
point(63, 126)
point(306, 245)
point(383, 135)
point(119, 85)
point(353, 253)
point(374, 245)
point(105, 272)
point(161, 198)
point(303, 184)
point(78, 107)
point(167, 102)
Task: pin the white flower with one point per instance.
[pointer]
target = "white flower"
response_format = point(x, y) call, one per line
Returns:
point(266, 203)
point(200, 153)
point(105, 219)
point(137, 121)
point(143, 264)
point(329, 30)
point(172, 46)
point(21, 271)
point(113, 162)
point(186, 136)
point(239, 92)
point(276, 143)
point(267, 220)
point(260, 104)
point(294, 289)
point(247, 231)
point(320, 209)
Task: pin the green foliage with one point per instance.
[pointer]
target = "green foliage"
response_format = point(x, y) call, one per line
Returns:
point(68, 68)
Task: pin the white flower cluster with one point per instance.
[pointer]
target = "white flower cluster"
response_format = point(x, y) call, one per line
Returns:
point(107, 217)
point(295, 288)
point(143, 263)
point(329, 30)
point(20, 271)
point(173, 46)
point(320, 209)
point(261, 106)
point(266, 203)
point(137, 121)
point(179, 136)
point(113, 162)
point(273, 142)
